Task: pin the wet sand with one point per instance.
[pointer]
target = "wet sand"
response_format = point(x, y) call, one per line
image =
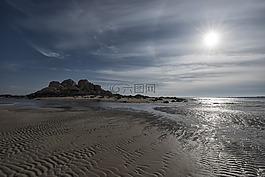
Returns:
point(57, 142)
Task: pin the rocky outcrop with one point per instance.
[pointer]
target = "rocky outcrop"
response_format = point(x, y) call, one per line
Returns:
point(85, 85)
point(55, 84)
point(70, 88)
point(68, 83)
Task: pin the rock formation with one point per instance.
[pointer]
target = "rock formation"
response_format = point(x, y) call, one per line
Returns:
point(70, 88)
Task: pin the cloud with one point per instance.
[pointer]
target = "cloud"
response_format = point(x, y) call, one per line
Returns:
point(98, 27)
point(186, 76)
point(69, 70)
point(156, 41)
point(48, 53)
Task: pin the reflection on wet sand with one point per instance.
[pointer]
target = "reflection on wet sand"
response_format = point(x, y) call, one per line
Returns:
point(227, 138)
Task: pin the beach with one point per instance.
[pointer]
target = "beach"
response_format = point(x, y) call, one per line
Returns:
point(81, 137)
point(156, 88)
point(57, 142)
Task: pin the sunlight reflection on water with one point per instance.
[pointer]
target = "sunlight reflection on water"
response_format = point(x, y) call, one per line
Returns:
point(227, 135)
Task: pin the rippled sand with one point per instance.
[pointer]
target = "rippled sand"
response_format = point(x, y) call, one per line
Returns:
point(208, 137)
point(56, 142)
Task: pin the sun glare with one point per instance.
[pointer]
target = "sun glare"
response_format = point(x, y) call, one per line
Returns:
point(211, 39)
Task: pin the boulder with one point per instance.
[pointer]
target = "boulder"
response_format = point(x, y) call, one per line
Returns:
point(57, 85)
point(84, 84)
point(68, 83)
point(54, 84)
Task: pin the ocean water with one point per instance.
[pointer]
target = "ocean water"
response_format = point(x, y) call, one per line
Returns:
point(226, 136)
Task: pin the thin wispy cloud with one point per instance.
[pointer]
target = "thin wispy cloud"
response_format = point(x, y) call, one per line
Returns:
point(152, 41)
point(48, 53)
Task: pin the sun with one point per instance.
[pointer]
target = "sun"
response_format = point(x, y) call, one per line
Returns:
point(211, 39)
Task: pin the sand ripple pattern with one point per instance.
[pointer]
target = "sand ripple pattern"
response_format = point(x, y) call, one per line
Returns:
point(90, 143)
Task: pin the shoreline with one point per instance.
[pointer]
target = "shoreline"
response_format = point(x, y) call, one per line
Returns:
point(118, 99)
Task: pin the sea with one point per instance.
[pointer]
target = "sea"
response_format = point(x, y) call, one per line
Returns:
point(226, 136)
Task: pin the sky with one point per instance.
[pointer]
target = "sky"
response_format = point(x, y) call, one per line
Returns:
point(124, 43)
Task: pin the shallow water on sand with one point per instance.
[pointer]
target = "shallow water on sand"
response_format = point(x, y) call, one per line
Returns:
point(226, 135)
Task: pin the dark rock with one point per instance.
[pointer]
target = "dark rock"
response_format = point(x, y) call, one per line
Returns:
point(49, 90)
point(55, 84)
point(68, 83)
point(107, 93)
point(45, 92)
point(174, 98)
point(97, 88)
point(165, 102)
point(84, 84)
point(70, 88)
point(12, 96)
point(74, 88)
point(139, 96)
point(181, 100)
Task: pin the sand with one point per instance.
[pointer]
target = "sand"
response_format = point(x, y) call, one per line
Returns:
point(56, 142)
